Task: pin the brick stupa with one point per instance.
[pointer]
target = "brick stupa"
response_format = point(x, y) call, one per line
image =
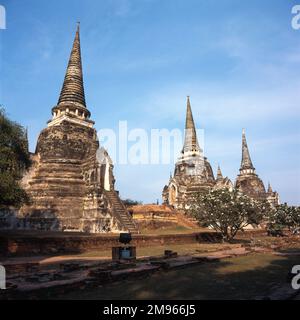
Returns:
point(71, 181)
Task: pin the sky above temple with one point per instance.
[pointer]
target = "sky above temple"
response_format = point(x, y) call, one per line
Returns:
point(238, 60)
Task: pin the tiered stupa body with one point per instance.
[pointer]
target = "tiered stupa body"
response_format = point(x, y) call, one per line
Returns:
point(192, 170)
point(71, 182)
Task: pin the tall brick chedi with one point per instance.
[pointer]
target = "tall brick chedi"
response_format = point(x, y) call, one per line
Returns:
point(192, 170)
point(71, 182)
point(249, 182)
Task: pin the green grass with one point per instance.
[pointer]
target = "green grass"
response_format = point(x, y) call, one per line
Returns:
point(244, 277)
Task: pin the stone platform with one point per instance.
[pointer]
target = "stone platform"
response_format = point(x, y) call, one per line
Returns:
point(44, 282)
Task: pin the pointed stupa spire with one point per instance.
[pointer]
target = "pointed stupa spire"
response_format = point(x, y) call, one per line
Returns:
point(190, 141)
point(219, 173)
point(270, 190)
point(72, 91)
point(246, 163)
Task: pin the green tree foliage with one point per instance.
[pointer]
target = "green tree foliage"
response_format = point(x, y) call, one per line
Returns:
point(14, 159)
point(283, 217)
point(130, 202)
point(227, 211)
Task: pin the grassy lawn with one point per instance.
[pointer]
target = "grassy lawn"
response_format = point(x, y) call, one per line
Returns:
point(244, 277)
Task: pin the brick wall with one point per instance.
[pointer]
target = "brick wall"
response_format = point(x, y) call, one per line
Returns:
point(22, 245)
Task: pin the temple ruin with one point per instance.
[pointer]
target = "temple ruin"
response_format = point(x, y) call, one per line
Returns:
point(71, 181)
point(193, 173)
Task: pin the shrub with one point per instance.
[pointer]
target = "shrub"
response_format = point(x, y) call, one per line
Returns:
point(227, 211)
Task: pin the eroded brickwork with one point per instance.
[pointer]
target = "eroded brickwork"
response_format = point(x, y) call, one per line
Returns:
point(71, 181)
point(193, 173)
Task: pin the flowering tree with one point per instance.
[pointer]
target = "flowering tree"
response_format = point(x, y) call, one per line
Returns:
point(227, 211)
point(14, 159)
point(283, 217)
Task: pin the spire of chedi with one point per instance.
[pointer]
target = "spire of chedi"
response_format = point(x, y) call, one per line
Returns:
point(270, 190)
point(246, 163)
point(72, 90)
point(190, 140)
point(219, 173)
point(71, 101)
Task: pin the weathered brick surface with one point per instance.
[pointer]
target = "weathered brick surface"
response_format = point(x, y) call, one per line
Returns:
point(35, 245)
point(71, 181)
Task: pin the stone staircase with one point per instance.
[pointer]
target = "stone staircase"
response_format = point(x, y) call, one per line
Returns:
point(121, 212)
point(186, 220)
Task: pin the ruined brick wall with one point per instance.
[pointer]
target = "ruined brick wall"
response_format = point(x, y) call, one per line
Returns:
point(19, 245)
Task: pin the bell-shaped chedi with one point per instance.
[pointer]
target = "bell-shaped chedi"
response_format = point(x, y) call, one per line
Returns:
point(71, 183)
point(248, 181)
point(192, 170)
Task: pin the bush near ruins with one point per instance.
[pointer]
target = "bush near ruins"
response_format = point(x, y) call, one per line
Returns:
point(283, 217)
point(14, 159)
point(130, 202)
point(227, 211)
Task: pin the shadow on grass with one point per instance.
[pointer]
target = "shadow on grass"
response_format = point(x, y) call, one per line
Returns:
point(290, 250)
point(245, 277)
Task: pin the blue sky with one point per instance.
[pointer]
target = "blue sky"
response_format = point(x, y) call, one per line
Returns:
point(238, 60)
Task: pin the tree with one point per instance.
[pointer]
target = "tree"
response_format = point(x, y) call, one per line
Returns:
point(283, 217)
point(130, 202)
point(294, 225)
point(227, 211)
point(14, 159)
